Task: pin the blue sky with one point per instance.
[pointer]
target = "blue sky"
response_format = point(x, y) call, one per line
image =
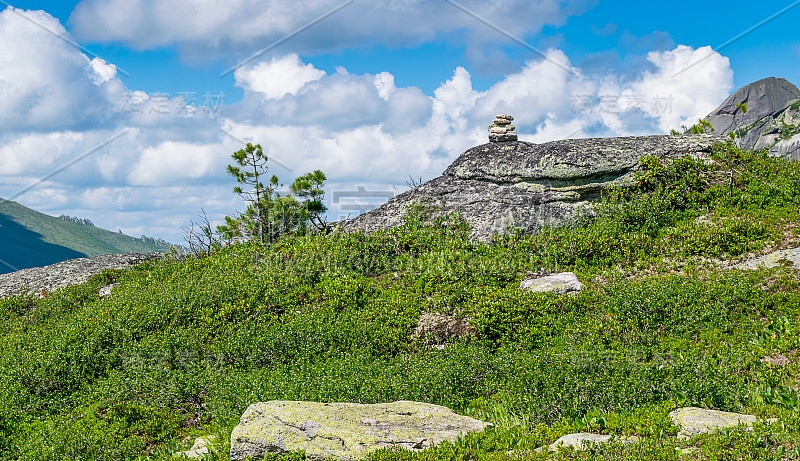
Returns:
point(372, 94)
point(607, 32)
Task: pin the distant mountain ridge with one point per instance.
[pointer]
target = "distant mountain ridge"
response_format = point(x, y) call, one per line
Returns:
point(29, 238)
point(76, 220)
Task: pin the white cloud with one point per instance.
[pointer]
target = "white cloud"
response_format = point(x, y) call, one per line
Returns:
point(177, 162)
point(46, 82)
point(35, 151)
point(540, 90)
point(206, 29)
point(278, 77)
point(455, 97)
point(384, 82)
point(103, 71)
point(687, 85)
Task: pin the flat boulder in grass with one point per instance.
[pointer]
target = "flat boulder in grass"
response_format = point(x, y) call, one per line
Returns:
point(584, 440)
point(692, 420)
point(786, 258)
point(563, 283)
point(344, 431)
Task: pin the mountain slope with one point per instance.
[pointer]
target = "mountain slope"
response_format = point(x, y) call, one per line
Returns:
point(31, 239)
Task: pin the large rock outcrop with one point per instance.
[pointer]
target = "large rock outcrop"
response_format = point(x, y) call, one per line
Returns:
point(529, 186)
point(763, 114)
point(344, 431)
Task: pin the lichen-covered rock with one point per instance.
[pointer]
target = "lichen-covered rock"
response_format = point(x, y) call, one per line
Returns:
point(584, 440)
point(785, 258)
point(692, 420)
point(528, 186)
point(344, 431)
point(71, 272)
point(563, 283)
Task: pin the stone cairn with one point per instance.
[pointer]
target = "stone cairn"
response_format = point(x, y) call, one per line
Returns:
point(502, 129)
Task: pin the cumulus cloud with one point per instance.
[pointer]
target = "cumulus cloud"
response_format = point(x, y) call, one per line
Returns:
point(46, 82)
point(384, 83)
point(455, 98)
point(277, 77)
point(146, 163)
point(687, 85)
point(103, 71)
point(171, 163)
point(26, 153)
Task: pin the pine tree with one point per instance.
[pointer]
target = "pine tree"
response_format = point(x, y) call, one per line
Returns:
point(268, 214)
point(252, 168)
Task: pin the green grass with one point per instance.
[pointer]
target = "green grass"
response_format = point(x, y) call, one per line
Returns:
point(182, 347)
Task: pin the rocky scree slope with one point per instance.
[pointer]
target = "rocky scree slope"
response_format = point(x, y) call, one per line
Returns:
point(517, 184)
point(42, 280)
point(763, 114)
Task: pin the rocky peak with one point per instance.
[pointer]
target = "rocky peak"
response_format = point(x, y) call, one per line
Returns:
point(75, 220)
point(762, 98)
point(762, 114)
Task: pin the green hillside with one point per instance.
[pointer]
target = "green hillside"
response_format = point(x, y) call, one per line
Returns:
point(32, 239)
point(184, 345)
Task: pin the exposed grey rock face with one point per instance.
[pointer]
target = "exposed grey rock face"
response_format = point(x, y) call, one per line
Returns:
point(529, 186)
point(344, 431)
point(71, 272)
point(563, 283)
point(771, 118)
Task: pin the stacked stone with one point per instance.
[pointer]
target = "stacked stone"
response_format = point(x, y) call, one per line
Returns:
point(502, 129)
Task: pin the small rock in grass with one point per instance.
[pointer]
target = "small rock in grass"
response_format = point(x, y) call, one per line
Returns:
point(563, 283)
point(584, 440)
point(437, 330)
point(202, 447)
point(106, 290)
point(789, 258)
